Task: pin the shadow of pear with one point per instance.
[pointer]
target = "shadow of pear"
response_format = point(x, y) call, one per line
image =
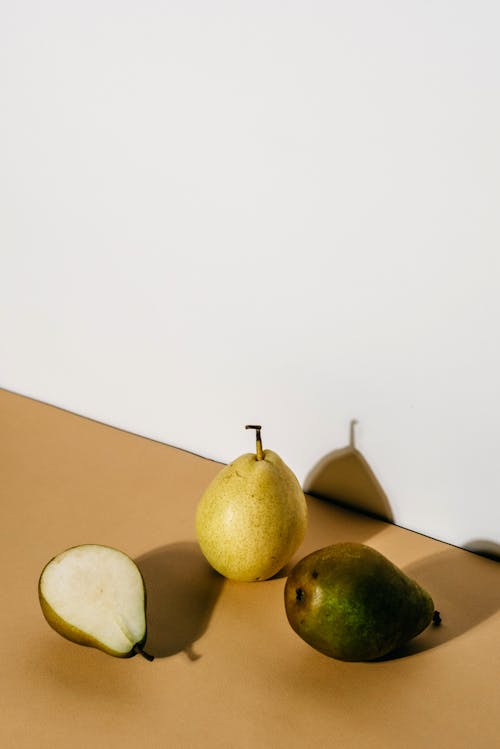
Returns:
point(345, 477)
point(484, 547)
point(182, 589)
point(465, 589)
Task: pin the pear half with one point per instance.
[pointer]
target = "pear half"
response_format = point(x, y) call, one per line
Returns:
point(94, 595)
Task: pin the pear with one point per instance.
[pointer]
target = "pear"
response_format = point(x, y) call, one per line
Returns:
point(350, 602)
point(252, 517)
point(94, 595)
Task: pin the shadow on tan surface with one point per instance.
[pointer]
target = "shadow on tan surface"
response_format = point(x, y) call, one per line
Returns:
point(344, 476)
point(330, 523)
point(465, 591)
point(182, 590)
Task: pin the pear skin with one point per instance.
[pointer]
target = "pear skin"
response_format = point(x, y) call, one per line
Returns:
point(252, 517)
point(351, 603)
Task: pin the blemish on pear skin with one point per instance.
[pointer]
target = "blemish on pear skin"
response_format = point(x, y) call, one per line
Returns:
point(299, 595)
point(315, 574)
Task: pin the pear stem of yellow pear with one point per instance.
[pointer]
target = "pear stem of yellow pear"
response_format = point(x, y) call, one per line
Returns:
point(259, 451)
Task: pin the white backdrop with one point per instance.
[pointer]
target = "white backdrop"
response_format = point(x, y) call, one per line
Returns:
point(215, 213)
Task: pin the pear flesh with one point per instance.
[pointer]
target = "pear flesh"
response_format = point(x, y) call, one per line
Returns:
point(94, 595)
point(352, 603)
point(252, 517)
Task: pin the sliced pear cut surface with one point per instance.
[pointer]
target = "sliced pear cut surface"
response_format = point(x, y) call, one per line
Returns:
point(94, 595)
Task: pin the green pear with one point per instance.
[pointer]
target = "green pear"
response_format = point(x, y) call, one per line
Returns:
point(252, 517)
point(94, 595)
point(350, 602)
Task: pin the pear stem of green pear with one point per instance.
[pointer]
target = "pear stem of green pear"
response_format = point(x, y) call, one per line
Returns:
point(147, 656)
point(259, 451)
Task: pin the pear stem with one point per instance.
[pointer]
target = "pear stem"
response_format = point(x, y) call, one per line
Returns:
point(259, 451)
point(147, 656)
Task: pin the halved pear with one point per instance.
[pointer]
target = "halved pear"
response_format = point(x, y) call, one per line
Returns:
point(94, 595)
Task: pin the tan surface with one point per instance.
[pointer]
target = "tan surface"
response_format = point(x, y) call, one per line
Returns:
point(233, 673)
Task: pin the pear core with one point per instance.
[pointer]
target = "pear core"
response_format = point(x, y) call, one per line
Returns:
point(252, 517)
point(94, 595)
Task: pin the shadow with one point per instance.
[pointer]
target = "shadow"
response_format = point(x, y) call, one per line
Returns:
point(485, 548)
point(344, 477)
point(182, 589)
point(330, 523)
point(465, 589)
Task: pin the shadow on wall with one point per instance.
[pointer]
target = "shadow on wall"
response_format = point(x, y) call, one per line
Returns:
point(344, 476)
point(182, 589)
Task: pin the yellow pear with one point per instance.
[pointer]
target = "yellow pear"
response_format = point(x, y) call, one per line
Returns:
point(252, 517)
point(94, 595)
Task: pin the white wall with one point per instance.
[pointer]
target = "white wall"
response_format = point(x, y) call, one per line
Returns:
point(285, 212)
